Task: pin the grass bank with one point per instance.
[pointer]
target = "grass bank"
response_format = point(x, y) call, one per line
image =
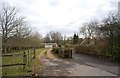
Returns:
point(37, 67)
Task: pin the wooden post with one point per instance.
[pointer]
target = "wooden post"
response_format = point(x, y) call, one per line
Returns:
point(24, 60)
point(34, 54)
point(71, 54)
point(28, 57)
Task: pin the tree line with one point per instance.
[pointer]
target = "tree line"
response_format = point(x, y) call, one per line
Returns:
point(15, 31)
point(108, 29)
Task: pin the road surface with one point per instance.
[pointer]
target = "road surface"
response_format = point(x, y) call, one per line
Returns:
point(79, 65)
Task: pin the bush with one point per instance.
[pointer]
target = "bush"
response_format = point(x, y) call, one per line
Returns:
point(89, 49)
point(68, 45)
point(116, 55)
point(80, 49)
point(55, 49)
point(99, 50)
point(103, 49)
point(92, 49)
point(65, 52)
point(67, 49)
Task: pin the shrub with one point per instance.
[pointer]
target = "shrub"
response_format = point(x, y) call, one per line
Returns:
point(116, 55)
point(65, 52)
point(103, 49)
point(67, 49)
point(68, 45)
point(100, 49)
point(55, 49)
point(89, 49)
point(80, 49)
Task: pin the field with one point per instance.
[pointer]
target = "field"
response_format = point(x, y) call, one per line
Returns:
point(17, 70)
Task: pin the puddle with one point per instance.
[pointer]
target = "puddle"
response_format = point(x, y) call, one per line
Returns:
point(50, 64)
point(56, 70)
point(56, 60)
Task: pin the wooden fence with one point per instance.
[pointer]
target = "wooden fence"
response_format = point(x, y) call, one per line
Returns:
point(27, 57)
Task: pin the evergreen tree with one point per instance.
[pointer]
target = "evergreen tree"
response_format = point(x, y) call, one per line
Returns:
point(75, 38)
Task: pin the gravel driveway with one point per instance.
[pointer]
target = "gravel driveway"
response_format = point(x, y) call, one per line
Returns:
point(79, 65)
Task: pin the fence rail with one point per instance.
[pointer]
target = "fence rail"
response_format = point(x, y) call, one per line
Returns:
point(12, 64)
point(5, 55)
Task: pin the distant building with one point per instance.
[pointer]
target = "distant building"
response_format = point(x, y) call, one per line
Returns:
point(87, 41)
point(50, 45)
point(94, 41)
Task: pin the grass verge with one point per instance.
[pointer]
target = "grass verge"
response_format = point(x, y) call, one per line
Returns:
point(37, 67)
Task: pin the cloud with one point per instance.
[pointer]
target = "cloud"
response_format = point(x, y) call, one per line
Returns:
point(65, 16)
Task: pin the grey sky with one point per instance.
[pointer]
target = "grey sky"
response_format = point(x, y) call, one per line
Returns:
point(65, 16)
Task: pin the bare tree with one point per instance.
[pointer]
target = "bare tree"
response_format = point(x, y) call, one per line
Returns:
point(55, 37)
point(9, 20)
point(83, 30)
point(47, 38)
point(22, 32)
point(90, 29)
point(36, 39)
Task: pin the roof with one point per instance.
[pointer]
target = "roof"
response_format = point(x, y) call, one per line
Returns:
point(50, 43)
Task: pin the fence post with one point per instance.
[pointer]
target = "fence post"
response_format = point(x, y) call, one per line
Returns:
point(34, 54)
point(28, 58)
point(71, 54)
point(24, 60)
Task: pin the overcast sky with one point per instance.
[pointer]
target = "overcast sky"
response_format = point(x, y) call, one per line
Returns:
point(65, 16)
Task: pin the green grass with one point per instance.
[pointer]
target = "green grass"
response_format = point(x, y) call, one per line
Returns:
point(37, 66)
point(17, 70)
point(38, 51)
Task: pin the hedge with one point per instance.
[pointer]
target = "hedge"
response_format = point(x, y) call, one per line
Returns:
point(64, 52)
point(55, 49)
point(98, 50)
